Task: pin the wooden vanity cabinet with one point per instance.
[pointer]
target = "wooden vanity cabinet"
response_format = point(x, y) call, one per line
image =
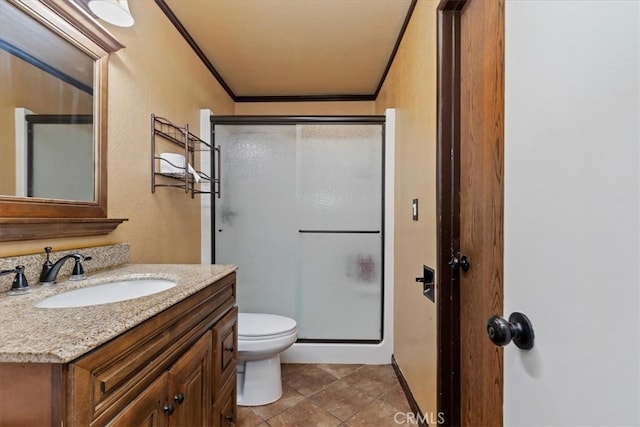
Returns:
point(175, 369)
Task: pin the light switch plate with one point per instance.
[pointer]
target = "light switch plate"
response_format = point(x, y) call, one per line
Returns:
point(415, 209)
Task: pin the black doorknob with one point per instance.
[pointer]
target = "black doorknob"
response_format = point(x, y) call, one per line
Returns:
point(460, 261)
point(519, 329)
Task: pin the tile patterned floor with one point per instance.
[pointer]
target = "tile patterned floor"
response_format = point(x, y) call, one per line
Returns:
point(330, 396)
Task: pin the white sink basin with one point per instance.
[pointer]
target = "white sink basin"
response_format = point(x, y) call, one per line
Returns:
point(121, 290)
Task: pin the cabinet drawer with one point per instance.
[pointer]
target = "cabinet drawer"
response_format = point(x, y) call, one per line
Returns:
point(225, 344)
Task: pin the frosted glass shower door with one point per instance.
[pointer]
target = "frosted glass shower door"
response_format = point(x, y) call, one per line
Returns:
point(255, 217)
point(301, 217)
point(339, 170)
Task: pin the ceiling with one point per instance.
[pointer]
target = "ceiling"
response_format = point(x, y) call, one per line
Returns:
point(294, 49)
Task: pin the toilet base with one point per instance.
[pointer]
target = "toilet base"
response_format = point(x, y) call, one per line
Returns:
point(259, 381)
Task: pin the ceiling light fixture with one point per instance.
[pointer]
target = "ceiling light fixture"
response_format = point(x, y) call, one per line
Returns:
point(115, 12)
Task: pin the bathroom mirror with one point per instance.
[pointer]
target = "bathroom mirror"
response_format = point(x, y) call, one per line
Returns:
point(53, 127)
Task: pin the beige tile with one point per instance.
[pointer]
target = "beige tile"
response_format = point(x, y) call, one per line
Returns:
point(379, 414)
point(247, 418)
point(341, 400)
point(367, 395)
point(308, 380)
point(289, 398)
point(396, 397)
point(373, 380)
point(288, 368)
point(304, 414)
point(379, 370)
point(337, 370)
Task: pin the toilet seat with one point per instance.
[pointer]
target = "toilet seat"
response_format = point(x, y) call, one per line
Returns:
point(260, 326)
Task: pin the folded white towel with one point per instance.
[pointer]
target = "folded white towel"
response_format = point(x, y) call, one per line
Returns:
point(173, 164)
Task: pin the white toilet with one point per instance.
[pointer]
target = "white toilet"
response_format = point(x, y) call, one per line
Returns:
point(261, 339)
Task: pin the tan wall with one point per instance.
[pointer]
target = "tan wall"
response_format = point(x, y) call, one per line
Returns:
point(25, 86)
point(353, 108)
point(158, 73)
point(410, 87)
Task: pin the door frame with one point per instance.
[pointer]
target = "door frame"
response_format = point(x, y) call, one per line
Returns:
point(449, 315)
point(448, 210)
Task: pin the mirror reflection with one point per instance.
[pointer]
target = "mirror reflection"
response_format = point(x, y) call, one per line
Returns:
point(47, 143)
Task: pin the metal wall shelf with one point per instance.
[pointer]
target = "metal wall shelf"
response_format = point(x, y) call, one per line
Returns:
point(179, 140)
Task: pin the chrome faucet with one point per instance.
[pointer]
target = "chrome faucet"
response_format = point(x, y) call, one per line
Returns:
point(50, 271)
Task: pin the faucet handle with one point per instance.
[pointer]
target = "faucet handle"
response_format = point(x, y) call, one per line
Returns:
point(20, 285)
point(78, 269)
point(46, 267)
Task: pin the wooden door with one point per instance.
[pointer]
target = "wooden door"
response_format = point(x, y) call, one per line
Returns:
point(481, 208)
point(190, 383)
point(147, 410)
point(471, 148)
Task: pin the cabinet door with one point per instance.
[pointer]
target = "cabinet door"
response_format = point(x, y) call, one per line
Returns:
point(190, 384)
point(225, 409)
point(148, 409)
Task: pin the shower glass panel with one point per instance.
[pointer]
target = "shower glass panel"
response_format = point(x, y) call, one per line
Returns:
point(340, 177)
point(340, 294)
point(255, 216)
point(301, 216)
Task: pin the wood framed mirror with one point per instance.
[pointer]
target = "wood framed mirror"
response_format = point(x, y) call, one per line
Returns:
point(54, 59)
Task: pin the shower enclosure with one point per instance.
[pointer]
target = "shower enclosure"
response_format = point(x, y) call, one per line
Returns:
point(301, 214)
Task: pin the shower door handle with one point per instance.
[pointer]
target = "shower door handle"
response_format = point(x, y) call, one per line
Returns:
point(341, 231)
point(216, 181)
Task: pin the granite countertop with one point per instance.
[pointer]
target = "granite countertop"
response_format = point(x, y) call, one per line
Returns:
point(29, 334)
